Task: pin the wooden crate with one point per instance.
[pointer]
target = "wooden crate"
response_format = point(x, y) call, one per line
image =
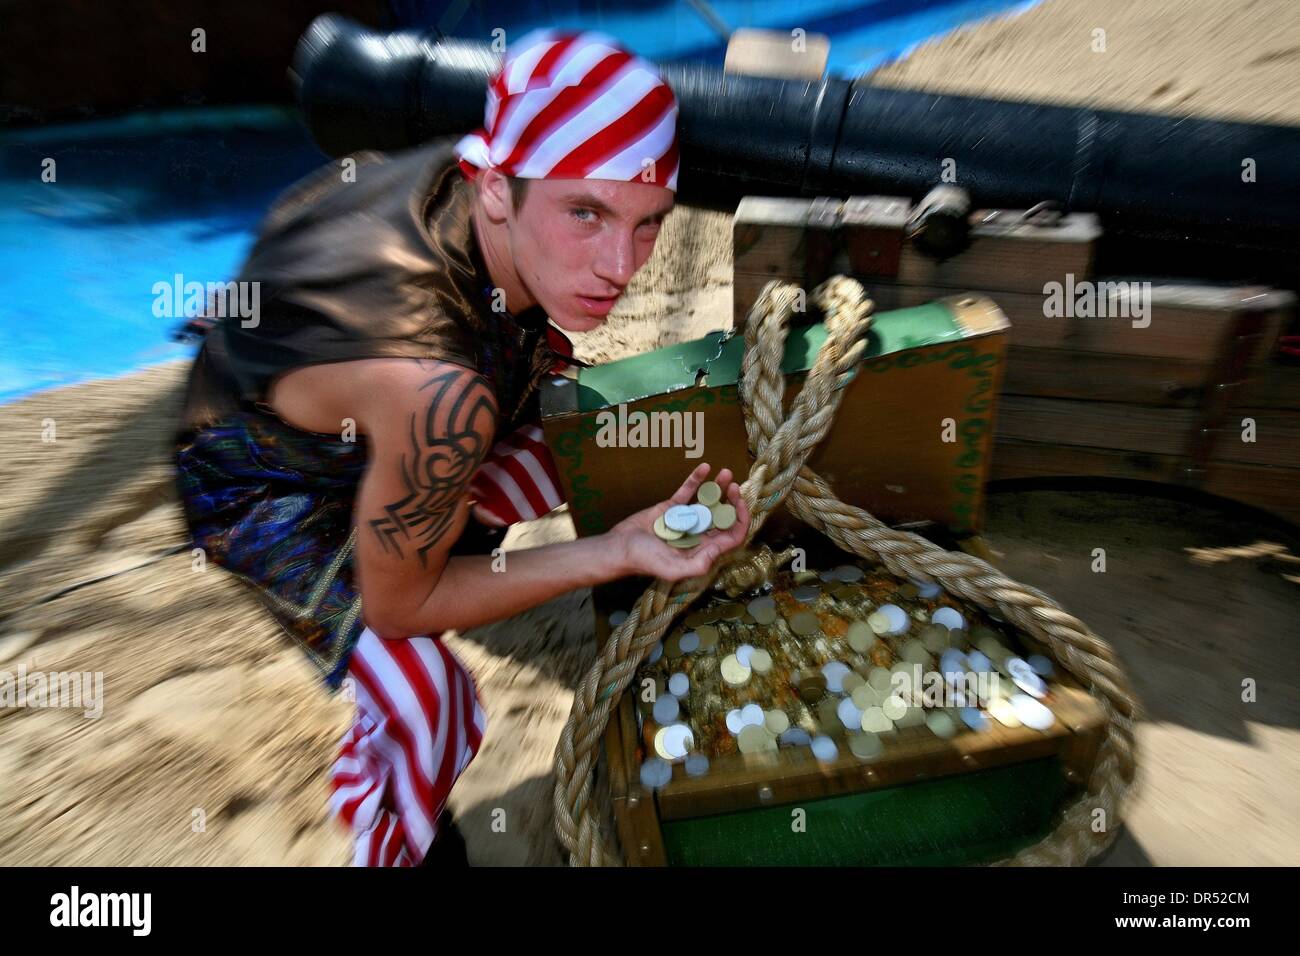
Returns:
point(1160, 401)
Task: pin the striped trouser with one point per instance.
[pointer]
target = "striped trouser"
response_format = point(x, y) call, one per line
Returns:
point(418, 725)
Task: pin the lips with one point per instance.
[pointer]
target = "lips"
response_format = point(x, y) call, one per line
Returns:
point(598, 305)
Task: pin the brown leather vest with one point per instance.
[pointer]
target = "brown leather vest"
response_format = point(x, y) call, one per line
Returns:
point(387, 266)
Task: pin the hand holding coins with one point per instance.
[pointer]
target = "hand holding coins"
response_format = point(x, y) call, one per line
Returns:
point(702, 521)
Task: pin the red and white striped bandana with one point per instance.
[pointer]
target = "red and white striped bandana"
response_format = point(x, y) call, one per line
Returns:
point(568, 105)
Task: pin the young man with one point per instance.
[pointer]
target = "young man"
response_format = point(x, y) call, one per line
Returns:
point(356, 452)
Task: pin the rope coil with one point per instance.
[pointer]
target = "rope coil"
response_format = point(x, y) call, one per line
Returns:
point(781, 444)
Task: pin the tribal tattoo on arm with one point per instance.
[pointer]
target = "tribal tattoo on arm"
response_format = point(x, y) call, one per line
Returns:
point(445, 449)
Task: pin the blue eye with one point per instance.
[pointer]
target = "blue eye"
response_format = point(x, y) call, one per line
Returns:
point(581, 209)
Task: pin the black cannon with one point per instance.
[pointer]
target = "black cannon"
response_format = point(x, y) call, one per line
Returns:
point(1177, 196)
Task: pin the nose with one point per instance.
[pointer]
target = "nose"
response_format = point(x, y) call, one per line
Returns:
point(617, 259)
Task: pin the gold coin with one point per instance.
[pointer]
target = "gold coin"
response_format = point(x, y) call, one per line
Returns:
point(803, 623)
point(803, 577)
point(914, 652)
point(763, 614)
point(935, 637)
point(673, 646)
point(665, 532)
point(828, 718)
point(710, 493)
point(851, 682)
point(724, 516)
point(811, 684)
point(760, 661)
point(1003, 712)
point(685, 541)
point(659, 743)
point(879, 622)
point(734, 672)
point(875, 721)
point(708, 635)
point(866, 745)
point(894, 707)
point(752, 739)
point(909, 590)
point(732, 612)
point(776, 722)
point(863, 697)
point(861, 636)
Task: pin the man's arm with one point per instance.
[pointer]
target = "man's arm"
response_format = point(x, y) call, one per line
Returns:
point(429, 424)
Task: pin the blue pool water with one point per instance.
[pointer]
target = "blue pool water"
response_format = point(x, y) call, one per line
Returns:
point(141, 199)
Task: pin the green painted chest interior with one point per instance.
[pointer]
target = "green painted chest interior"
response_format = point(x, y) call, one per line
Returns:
point(973, 818)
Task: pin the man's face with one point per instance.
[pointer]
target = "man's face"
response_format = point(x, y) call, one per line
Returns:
point(576, 243)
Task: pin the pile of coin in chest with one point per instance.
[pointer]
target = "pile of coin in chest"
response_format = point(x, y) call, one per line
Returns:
point(828, 663)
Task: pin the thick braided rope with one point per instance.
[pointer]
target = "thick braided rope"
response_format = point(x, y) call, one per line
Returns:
point(781, 446)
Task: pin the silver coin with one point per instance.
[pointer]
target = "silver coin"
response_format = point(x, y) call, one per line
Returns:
point(655, 773)
point(1042, 666)
point(743, 652)
point(949, 617)
point(795, 737)
point(703, 519)
point(678, 739)
point(697, 765)
point(752, 714)
point(927, 591)
point(848, 573)
point(1031, 713)
point(655, 653)
point(824, 748)
point(735, 722)
point(1025, 678)
point(681, 518)
point(973, 719)
point(850, 715)
point(617, 618)
point(690, 642)
point(679, 684)
point(834, 672)
point(666, 709)
point(898, 619)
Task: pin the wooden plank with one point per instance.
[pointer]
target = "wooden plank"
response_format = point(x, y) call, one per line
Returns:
point(1276, 438)
point(1016, 459)
point(1059, 421)
point(1261, 486)
point(1269, 386)
point(1009, 255)
point(1136, 379)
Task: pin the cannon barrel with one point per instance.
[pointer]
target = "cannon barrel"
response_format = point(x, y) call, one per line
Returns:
point(1164, 177)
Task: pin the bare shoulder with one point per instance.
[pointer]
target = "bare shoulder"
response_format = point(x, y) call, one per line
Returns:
point(373, 393)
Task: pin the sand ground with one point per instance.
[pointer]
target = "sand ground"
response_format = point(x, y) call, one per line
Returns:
point(215, 736)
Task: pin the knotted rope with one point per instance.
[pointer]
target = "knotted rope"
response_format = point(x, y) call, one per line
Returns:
point(781, 443)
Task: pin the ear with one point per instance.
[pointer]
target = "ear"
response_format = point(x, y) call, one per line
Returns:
point(494, 190)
